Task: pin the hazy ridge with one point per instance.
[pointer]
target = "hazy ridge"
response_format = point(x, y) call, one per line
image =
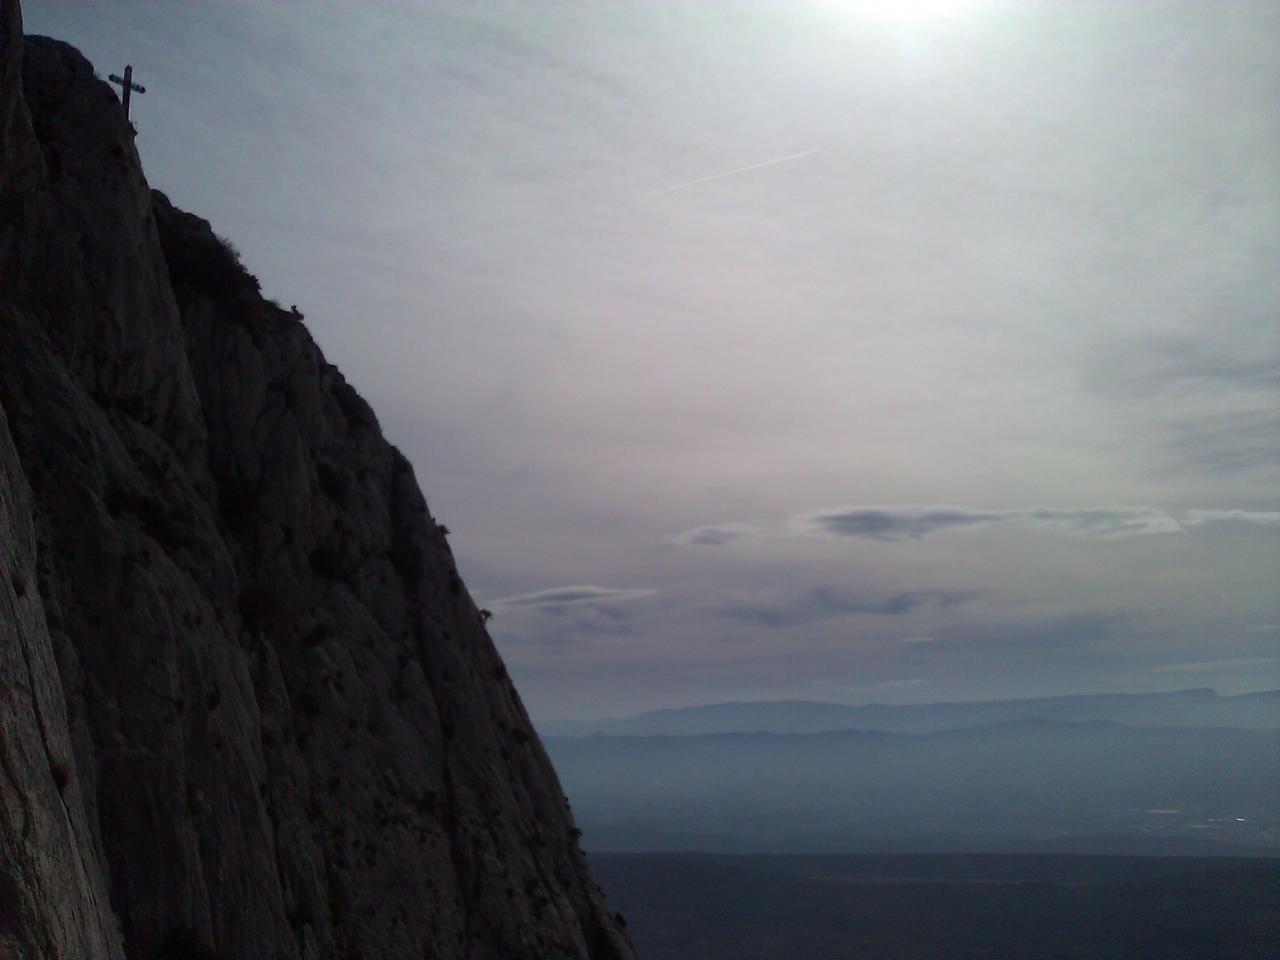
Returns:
point(1024, 784)
point(1198, 707)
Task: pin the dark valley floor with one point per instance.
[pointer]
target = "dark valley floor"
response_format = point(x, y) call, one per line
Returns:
point(949, 907)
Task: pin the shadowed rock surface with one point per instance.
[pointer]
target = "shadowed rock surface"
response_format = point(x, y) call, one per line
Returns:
point(246, 703)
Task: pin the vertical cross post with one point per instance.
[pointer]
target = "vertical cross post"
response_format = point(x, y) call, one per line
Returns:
point(127, 86)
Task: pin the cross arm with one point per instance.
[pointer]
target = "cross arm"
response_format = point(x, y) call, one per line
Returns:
point(129, 84)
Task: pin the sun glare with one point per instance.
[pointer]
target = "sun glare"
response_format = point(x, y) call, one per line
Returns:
point(909, 11)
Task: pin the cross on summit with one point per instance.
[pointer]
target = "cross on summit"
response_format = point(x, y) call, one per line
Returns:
point(127, 86)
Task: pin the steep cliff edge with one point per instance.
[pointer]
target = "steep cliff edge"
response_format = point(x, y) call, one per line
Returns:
point(246, 703)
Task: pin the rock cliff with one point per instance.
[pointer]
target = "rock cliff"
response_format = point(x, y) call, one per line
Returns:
point(247, 706)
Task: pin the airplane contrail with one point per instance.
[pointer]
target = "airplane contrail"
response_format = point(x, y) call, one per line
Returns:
point(657, 192)
point(715, 176)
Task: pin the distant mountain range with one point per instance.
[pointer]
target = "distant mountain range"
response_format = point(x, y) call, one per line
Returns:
point(1182, 708)
point(1025, 785)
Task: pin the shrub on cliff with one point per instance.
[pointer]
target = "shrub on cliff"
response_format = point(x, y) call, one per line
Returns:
point(200, 259)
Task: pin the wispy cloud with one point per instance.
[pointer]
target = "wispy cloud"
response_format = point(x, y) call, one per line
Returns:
point(560, 598)
point(1197, 517)
point(1209, 666)
point(716, 535)
point(634, 198)
point(1173, 366)
point(1216, 442)
point(1207, 399)
point(905, 522)
point(902, 684)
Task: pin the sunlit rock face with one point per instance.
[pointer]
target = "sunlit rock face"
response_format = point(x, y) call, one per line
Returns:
point(246, 703)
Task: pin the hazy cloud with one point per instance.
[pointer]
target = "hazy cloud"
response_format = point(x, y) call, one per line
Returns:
point(827, 604)
point(1046, 633)
point(558, 598)
point(1100, 523)
point(892, 523)
point(896, 605)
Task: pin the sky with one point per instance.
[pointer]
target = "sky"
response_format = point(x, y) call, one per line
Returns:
point(828, 349)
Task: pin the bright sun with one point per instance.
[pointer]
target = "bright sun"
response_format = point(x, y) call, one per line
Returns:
point(905, 11)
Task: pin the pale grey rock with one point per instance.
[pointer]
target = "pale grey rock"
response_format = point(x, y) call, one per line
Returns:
point(284, 728)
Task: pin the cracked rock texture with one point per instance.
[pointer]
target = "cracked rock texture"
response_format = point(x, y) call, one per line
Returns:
point(247, 707)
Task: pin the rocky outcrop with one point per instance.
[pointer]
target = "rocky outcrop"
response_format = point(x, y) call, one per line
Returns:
point(246, 703)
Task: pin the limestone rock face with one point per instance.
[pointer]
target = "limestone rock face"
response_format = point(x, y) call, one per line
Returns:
point(246, 703)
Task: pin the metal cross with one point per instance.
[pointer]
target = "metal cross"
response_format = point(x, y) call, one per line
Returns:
point(127, 85)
